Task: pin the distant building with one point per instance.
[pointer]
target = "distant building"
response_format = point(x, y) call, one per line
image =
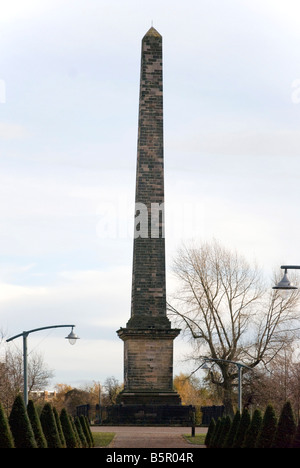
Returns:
point(44, 395)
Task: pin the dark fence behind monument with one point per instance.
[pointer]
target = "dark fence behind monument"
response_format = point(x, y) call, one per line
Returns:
point(139, 414)
point(211, 412)
point(150, 414)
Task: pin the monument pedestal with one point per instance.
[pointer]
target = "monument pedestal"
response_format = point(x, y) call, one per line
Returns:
point(148, 366)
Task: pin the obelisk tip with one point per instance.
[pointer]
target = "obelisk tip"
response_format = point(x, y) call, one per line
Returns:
point(152, 32)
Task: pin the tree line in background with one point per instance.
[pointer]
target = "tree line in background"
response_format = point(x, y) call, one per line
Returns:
point(275, 385)
point(26, 428)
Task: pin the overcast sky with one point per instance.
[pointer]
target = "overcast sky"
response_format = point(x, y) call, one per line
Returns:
point(69, 85)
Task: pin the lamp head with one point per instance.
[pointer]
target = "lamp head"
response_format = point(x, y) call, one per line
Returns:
point(72, 337)
point(285, 283)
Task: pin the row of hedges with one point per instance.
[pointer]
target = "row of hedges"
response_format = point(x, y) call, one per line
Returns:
point(258, 431)
point(24, 428)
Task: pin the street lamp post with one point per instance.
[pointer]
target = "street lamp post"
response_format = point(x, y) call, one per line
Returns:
point(72, 337)
point(240, 367)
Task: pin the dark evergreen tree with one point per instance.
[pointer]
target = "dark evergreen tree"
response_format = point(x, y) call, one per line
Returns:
point(253, 430)
point(224, 431)
point(6, 438)
point(59, 428)
point(268, 429)
point(87, 431)
point(68, 429)
point(296, 440)
point(80, 432)
point(215, 436)
point(49, 427)
point(242, 429)
point(20, 425)
point(286, 427)
point(74, 427)
point(36, 425)
point(228, 443)
point(210, 431)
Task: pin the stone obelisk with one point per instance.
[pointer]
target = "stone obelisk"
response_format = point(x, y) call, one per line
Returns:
point(148, 336)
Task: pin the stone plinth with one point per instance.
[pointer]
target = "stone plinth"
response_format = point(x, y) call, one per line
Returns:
point(148, 366)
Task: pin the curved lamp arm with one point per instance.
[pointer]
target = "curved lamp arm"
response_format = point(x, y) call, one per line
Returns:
point(71, 337)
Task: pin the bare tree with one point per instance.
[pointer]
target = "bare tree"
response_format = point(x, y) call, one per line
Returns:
point(228, 312)
point(11, 375)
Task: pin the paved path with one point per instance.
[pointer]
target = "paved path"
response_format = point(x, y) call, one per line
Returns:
point(149, 437)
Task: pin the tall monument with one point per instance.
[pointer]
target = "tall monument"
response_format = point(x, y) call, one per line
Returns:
point(148, 336)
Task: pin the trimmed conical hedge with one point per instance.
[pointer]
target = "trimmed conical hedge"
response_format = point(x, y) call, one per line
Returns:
point(59, 428)
point(67, 428)
point(20, 425)
point(296, 440)
point(228, 442)
point(224, 431)
point(253, 430)
point(286, 428)
point(49, 427)
point(87, 431)
point(78, 440)
point(215, 436)
point(268, 429)
point(36, 425)
point(84, 442)
point(6, 438)
point(242, 429)
point(210, 431)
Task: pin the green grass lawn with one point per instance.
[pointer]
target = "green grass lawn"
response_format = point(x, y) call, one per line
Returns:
point(102, 439)
point(198, 439)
